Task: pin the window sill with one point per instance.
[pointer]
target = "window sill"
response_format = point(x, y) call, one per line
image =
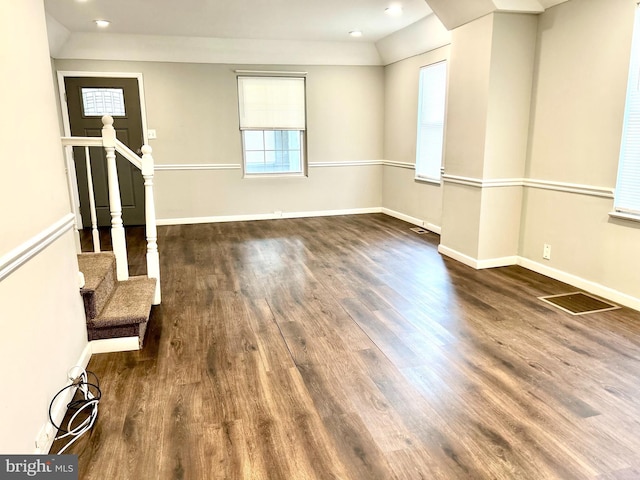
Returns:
point(275, 175)
point(625, 216)
point(432, 181)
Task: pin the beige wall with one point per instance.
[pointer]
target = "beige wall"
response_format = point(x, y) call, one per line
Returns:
point(567, 130)
point(468, 96)
point(400, 191)
point(490, 76)
point(577, 111)
point(41, 317)
point(194, 109)
point(509, 96)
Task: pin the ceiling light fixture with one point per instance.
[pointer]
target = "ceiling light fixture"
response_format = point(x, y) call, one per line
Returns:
point(102, 23)
point(355, 33)
point(393, 10)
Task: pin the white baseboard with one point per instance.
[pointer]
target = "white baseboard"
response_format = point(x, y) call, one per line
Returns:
point(413, 220)
point(48, 432)
point(497, 262)
point(110, 345)
point(582, 283)
point(456, 255)
point(573, 280)
point(474, 262)
point(266, 216)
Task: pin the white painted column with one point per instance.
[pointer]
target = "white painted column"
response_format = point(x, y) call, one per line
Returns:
point(153, 258)
point(118, 240)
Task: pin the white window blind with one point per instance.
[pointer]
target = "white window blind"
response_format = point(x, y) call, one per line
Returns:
point(271, 103)
point(431, 115)
point(627, 194)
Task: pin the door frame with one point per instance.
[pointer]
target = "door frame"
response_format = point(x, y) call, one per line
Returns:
point(70, 165)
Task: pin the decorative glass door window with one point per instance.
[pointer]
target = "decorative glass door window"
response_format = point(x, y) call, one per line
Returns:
point(97, 102)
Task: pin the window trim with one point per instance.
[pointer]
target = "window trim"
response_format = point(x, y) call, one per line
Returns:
point(628, 172)
point(303, 132)
point(419, 124)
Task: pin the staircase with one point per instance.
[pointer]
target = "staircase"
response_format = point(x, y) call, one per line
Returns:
point(114, 309)
point(117, 306)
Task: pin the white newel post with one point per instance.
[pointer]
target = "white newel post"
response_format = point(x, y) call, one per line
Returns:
point(118, 240)
point(153, 258)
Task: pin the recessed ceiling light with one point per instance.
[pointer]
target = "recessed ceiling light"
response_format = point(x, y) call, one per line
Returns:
point(102, 23)
point(355, 33)
point(393, 10)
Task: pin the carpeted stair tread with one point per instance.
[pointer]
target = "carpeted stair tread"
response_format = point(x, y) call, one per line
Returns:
point(94, 267)
point(99, 270)
point(130, 303)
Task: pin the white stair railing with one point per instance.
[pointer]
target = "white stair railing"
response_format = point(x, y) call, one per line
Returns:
point(112, 145)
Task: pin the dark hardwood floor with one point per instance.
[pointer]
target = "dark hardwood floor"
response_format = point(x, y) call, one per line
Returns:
point(348, 348)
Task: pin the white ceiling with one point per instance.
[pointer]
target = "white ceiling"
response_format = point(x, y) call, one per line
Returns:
point(319, 20)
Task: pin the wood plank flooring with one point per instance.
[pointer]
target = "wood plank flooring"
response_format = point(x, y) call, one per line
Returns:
point(348, 348)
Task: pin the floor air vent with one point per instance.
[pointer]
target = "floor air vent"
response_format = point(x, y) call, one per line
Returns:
point(578, 303)
point(419, 230)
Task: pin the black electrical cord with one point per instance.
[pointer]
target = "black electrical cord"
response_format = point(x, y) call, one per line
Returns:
point(90, 398)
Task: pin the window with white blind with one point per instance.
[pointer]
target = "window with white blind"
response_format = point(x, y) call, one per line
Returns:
point(627, 194)
point(431, 114)
point(272, 124)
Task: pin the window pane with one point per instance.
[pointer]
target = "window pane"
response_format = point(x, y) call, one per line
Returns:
point(253, 140)
point(270, 158)
point(431, 115)
point(97, 102)
point(295, 163)
point(273, 151)
point(294, 140)
point(270, 139)
point(255, 157)
point(627, 193)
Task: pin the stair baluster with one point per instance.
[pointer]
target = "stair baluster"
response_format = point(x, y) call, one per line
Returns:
point(92, 203)
point(118, 240)
point(153, 259)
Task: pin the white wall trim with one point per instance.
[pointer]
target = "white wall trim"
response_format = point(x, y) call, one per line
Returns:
point(483, 182)
point(591, 190)
point(392, 163)
point(356, 163)
point(197, 166)
point(266, 216)
point(20, 255)
point(582, 283)
point(237, 166)
point(109, 345)
point(409, 219)
point(594, 191)
point(46, 436)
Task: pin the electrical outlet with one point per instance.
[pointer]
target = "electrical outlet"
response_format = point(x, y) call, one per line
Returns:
point(152, 134)
point(278, 213)
point(546, 252)
point(44, 439)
